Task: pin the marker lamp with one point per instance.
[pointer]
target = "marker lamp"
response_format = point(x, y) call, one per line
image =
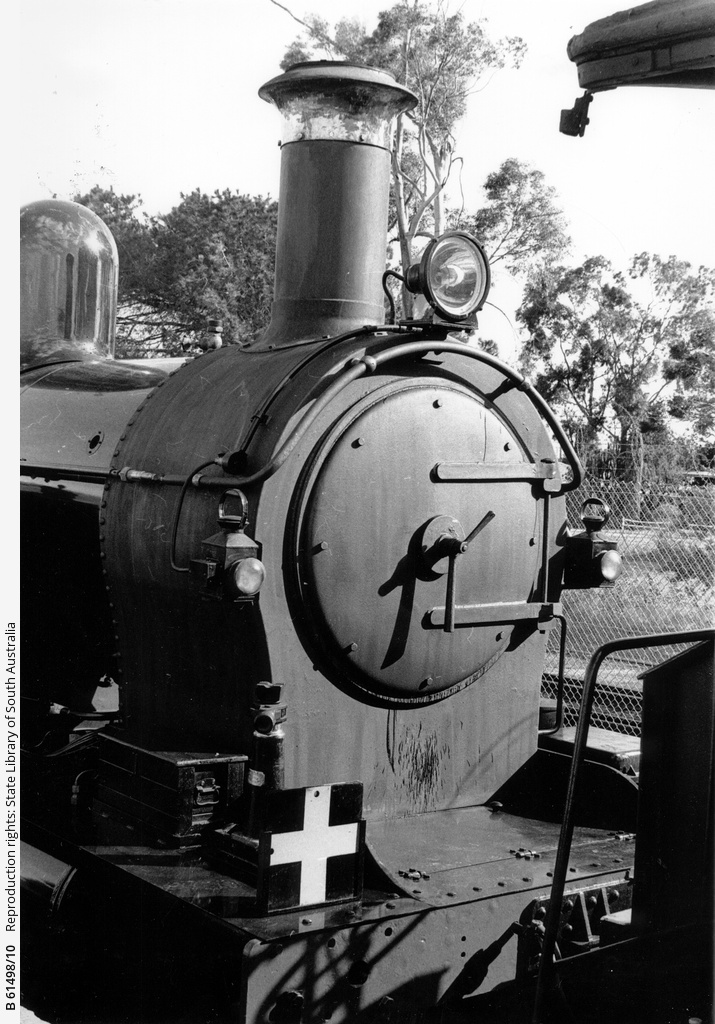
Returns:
point(453, 275)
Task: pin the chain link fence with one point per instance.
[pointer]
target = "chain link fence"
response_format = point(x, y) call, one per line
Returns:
point(666, 537)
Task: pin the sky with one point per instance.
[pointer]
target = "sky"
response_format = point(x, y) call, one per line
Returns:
point(158, 97)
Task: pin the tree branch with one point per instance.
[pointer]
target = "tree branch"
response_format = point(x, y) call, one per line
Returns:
point(309, 28)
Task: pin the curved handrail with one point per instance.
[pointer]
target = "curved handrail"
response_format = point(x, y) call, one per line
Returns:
point(358, 367)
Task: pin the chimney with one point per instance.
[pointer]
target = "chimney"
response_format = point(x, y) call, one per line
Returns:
point(334, 193)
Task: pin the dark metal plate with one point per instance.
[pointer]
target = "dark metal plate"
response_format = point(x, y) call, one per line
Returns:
point(474, 852)
point(365, 585)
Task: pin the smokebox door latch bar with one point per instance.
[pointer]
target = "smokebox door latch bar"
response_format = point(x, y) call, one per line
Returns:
point(485, 614)
point(484, 472)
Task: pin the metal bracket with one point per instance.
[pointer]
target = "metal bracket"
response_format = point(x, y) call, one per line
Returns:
point(573, 122)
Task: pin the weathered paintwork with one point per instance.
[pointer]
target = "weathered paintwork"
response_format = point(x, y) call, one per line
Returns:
point(73, 413)
point(366, 590)
point(188, 667)
point(415, 949)
point(668, 43)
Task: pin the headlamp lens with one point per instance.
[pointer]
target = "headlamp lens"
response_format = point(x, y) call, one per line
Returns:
point(453, 275)
point(456, 275)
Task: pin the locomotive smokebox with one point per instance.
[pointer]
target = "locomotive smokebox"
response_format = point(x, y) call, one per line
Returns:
point(334, 191)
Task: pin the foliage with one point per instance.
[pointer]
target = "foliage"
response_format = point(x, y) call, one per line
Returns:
point(653, 462)
point(212, 256)
point(609, 347)
point(440, 56)
point(215, 258)
point(521, 224)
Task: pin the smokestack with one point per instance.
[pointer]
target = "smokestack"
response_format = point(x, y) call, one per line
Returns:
point(334, 192)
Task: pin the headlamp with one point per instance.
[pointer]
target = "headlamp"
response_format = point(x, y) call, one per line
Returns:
point(453, 275)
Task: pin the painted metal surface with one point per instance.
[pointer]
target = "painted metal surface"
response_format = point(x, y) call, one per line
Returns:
point(677, 781)
point(476, 850)
point(43, 878)
point(387, 952)
point(72, 415)
point(330, 250)
point(364, 588)
point(234, 400)
point(666, 42)
point(495, 872)
point(402, 968)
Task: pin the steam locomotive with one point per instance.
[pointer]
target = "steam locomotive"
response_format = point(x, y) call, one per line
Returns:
point(319, 570)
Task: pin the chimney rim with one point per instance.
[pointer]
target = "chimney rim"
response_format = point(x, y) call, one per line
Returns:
point(336, 73)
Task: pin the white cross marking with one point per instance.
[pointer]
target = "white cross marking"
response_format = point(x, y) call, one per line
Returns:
point(314, 845)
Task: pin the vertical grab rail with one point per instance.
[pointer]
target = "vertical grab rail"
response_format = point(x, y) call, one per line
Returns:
point(546, 964)
point(561, 684)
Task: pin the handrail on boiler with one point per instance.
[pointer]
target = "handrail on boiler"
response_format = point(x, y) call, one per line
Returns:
point(360, 365)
